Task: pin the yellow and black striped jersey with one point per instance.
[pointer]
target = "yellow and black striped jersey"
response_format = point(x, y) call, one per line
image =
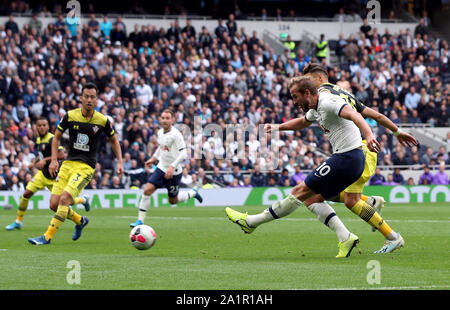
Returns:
point(356, 104)
point(84, 134)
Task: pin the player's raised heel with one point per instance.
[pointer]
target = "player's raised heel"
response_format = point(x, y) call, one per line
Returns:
point(346, 247)
point(39, 240)
point(15, 225)
point(197, 195)
point(391, 245)
point(86, 204)
point(79, 228)
point(240, 219)
point(137, 223)
point(378, 205)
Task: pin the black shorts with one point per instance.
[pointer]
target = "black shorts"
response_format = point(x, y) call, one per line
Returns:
point(159, 181)
point(336, 173)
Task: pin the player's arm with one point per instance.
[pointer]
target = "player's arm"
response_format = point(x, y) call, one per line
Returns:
point(404, 138)
point(115, 145)
point(53, 167)
point(294, 124)
point(39, 164)
point(348, 113)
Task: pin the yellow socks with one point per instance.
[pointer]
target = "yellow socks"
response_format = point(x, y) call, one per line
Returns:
point(23, 205)
point(78, 200)
point(75, 217)
point(368, 214)
point(57, 220)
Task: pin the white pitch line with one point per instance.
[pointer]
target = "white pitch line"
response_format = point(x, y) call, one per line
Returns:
point(187, 218)
point(216, 218)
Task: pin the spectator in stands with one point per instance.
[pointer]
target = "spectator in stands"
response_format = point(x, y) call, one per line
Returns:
point(218, 177)
point(412, 99)
point(377, 178)
point(441, 177)
point(298, 176)
point(426, 177)
point(105, 27)
point(258, 179)
point(421, 29)
point(398, 177)
point(428, 156)
point(390, 180)
point(410, 181)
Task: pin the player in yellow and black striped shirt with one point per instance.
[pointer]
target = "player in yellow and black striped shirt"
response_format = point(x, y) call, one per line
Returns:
point(85, 126)
point(42, 178)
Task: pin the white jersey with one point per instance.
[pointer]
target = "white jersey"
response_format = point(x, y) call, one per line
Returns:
point(171, 144)
point(343, 134)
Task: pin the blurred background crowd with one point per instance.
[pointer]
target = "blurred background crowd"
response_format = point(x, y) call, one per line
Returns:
point(223, 77)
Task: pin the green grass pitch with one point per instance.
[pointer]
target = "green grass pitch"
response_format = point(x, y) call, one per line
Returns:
point(198, 248)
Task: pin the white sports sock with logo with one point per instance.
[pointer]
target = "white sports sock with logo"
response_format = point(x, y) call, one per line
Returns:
point(326, 214)
point(143, 207)
point(279, 209)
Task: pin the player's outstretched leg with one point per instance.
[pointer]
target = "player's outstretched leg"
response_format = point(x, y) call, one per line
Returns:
point(279, 209)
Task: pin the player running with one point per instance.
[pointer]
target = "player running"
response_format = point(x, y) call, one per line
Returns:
point(85, 126)
point(343, 168)
point(171, 153)
point(42, 178)
point(367, 208)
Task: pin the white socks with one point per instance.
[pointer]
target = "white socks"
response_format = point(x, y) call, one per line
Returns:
point(143, 207)
point(325, 213)
point(185, 195)
point(279, 209)
point(145, 202)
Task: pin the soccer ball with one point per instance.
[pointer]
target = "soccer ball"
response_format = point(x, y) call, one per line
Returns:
point(142, 237)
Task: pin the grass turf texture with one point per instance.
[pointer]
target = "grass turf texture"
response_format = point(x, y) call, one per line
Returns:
point(200, 249)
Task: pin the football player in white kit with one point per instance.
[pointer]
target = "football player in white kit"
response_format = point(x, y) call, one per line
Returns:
point(343, 168)
point(171, 153)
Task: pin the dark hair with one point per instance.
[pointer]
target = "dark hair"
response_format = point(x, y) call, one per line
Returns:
point(89, 85)
point(313, 68)
point(42, 118)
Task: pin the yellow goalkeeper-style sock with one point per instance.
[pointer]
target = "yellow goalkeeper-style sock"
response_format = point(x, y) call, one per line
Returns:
point(23, 205)
point(368, 214)
point(57, 220)
point(78, 200)
point(75, 217)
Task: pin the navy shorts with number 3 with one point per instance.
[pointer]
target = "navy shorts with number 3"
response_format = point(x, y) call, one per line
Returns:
point(159, 181)
point(336, 173)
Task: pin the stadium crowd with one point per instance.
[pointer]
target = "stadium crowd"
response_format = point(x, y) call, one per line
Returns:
point(224, 77)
